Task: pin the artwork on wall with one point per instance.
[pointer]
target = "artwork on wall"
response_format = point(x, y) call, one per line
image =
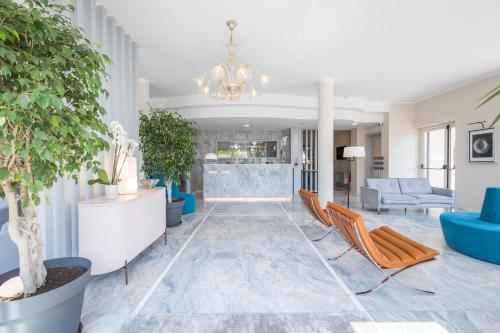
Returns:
point(482, 145)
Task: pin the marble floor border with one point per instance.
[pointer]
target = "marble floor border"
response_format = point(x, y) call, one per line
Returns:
point(337, 278)
point(160, 278)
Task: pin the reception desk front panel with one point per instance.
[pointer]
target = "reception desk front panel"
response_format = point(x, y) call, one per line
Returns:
point(240, 181)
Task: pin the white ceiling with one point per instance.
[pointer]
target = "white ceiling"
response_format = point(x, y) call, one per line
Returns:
point(389, 50)
point(228, 123)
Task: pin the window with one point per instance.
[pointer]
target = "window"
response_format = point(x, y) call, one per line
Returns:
point(247, 149)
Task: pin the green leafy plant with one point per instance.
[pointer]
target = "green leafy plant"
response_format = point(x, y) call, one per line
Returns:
point(123, 148)
point(51, 77)
point(487, 98)
point(166, 141)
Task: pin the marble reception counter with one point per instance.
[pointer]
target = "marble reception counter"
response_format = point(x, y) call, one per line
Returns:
point(246, 181)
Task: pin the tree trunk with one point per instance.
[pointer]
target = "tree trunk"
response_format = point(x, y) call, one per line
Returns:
point(169, 190)
point(25, 233)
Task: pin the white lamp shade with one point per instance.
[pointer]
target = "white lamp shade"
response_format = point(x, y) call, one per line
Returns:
point(354, 151)
point(211, 156)
point(128, 183)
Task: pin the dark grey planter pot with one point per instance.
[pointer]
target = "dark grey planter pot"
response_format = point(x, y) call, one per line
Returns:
point(56, 311)
point(174, 213)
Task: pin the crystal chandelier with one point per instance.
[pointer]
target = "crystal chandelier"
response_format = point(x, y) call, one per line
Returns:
point(231, 79)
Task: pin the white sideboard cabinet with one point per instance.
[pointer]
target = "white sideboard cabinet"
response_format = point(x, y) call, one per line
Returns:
point(113, 232)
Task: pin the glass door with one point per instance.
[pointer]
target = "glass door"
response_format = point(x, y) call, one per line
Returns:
point(438, 155)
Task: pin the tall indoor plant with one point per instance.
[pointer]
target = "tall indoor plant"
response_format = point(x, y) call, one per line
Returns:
point(51, 77)
point(166, 141)
point(487, 98)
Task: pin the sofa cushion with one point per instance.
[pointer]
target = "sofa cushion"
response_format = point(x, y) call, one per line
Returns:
point(415, 185)
point(402, 199)
point(432, 199)
point(385, 185)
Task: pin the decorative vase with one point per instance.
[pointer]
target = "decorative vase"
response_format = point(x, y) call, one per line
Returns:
point(111, 192)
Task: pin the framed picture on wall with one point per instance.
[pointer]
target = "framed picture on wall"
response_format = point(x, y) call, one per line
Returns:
point(483, 145)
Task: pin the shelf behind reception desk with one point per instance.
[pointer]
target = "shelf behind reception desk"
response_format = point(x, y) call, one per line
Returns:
point(247, 181)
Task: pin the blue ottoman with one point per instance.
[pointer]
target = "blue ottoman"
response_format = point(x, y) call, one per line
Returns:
point(476, 234)
point(189, 203)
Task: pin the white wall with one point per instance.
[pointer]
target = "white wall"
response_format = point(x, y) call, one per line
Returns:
point(143, 95)
point(57, 213)
point(401, 140)
point(358, 138)
point(458, 106)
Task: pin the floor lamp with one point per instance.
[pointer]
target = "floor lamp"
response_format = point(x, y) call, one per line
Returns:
point(351, 153)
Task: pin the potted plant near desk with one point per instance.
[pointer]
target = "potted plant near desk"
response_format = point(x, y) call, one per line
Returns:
point(166, 141)
point(50, 125)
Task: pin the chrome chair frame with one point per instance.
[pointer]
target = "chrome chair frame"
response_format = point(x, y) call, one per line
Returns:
point(317, 217)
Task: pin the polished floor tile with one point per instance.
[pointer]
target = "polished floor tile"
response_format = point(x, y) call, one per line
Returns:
point(247, 267)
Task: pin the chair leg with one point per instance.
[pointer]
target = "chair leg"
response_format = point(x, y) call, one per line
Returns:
point(405, 211)
point(387, 278)
point(340, 255)
point(329, 232)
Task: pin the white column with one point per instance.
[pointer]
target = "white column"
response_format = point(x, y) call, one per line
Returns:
point(325, 141)
point(296, 156)
point(143, 95)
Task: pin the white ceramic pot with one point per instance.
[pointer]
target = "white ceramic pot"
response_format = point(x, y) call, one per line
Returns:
point(111, 192)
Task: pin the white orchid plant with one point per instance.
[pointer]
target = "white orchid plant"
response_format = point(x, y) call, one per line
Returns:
point(123, 148)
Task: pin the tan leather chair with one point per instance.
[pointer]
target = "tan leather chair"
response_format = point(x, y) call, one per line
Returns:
point(312, 205)
point(383, 247)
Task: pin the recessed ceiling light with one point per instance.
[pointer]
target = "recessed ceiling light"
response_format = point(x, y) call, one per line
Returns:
point(246, 125)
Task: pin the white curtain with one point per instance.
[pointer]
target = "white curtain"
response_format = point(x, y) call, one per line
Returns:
point(57, 213)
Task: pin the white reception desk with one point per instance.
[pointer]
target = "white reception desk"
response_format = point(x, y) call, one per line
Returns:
point(248, 181)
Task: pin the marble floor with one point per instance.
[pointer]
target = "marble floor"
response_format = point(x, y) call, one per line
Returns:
point(251, 267)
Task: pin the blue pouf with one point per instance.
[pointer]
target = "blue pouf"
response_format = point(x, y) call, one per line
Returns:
point(189, 203)
point(476, 234)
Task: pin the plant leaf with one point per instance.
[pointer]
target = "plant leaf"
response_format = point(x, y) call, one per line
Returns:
point(488, 97)
point(497, 118)
point(103, 176)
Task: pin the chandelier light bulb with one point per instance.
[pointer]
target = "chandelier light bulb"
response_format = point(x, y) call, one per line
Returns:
point(199, 82)
point(218, 72)
point(264, 79)
point(244, 73)
point(206, 90)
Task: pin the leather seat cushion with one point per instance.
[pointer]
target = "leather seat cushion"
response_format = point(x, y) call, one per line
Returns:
point(399, 199)
point(398, 250)
point(432, 198)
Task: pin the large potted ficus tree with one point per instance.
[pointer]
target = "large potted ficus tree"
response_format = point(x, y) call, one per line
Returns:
point(50, 126)
point(166, 141)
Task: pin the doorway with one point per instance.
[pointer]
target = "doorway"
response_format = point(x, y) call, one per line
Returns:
point(438, 155)
point(374, 166)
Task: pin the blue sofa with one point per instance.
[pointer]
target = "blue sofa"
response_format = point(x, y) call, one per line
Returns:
point(405, 193)
point(476, 234)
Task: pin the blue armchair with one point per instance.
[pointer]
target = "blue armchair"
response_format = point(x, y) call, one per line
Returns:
point(476, 234)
